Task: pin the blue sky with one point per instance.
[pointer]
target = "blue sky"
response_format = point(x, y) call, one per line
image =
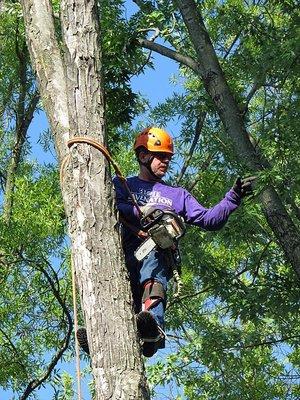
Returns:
point(155, 86)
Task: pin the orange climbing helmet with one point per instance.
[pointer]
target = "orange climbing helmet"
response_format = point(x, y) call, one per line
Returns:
point(154, 139)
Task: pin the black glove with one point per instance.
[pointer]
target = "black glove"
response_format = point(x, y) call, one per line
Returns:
point(244, 187)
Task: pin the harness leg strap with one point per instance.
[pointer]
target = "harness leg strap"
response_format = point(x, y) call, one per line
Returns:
point(154, 293)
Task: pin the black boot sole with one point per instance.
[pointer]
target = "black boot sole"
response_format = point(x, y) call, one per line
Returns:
point(147, 326)
point(149, 349)
point(83, 340)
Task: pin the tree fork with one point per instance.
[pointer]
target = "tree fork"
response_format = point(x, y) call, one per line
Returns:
point(72, 92)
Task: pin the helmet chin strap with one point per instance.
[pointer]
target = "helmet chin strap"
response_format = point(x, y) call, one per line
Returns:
point(147, 164)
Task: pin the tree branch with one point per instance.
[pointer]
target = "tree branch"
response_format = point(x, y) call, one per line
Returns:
point(255, 274)
point(230, 114)
point(189, 296)
point(198, 130)
point(203, 167)
point(24, 118)
point(145, 6)
point(172, 54)
point(14, 349)
point(35, 383)
point(232, 45)
point(266, 342)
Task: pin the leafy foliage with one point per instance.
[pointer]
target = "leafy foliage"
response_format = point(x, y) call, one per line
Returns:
point(35, 287)
point(234, 332)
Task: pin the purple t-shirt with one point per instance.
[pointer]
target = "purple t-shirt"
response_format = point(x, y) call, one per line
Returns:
point(163, 196)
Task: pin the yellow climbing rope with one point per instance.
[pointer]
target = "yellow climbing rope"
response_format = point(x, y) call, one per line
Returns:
point(77, 354)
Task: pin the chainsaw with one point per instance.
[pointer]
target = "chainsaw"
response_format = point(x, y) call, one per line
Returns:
point(164, 228)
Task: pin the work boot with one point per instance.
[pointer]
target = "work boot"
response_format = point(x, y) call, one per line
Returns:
point(149, 332)
point(149, 349)
point(83, 340)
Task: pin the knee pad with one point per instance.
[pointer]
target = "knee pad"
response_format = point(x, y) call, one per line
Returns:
point(154, 293)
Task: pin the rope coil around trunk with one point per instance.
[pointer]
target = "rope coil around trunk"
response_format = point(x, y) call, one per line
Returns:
point(105, 152)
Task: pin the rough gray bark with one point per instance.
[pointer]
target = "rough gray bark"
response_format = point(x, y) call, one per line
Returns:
point(72, 91)
point(217, 87)
point(232, 119)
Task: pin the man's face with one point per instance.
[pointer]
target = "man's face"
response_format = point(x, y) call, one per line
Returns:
point(160, 162)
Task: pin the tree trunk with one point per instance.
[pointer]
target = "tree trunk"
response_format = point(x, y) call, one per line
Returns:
point(231, 117)
point(72, 91)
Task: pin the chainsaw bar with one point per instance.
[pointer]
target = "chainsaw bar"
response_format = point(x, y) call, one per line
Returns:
point(144, 249)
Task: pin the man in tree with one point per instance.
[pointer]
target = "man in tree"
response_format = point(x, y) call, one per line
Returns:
point(149, 276)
